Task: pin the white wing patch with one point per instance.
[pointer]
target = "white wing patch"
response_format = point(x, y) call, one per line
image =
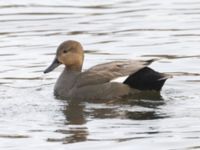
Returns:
point(120, 79)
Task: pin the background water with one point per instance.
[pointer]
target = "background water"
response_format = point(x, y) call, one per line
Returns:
point(31, 118)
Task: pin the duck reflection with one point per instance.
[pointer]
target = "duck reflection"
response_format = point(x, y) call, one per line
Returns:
point(74, 113)
point(75, 116)
point(78, 113)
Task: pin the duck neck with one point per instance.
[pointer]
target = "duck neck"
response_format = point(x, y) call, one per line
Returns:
point(74, 68)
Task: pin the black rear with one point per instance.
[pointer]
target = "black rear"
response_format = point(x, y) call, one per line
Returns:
point(146, 79)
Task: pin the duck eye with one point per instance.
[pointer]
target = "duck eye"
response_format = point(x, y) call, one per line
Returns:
point(65, 51)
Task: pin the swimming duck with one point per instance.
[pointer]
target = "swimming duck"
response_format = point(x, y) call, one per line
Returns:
point(97, 82)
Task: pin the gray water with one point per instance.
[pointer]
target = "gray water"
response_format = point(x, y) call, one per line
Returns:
point(31, 118)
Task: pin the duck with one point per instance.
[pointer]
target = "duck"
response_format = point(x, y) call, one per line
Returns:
point(98, 82)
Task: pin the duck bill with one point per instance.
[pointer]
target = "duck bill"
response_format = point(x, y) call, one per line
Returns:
point(54, 64)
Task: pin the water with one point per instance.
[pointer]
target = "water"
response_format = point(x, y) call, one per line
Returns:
point(30, 116)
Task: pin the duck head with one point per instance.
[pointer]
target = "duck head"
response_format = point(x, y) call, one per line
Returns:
point(70, 53)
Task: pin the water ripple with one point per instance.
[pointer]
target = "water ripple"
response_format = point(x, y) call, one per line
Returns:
point(109, 30)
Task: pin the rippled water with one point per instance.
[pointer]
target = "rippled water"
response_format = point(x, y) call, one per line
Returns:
point(30, 116)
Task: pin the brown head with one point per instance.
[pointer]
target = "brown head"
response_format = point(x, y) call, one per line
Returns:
point(70, 53)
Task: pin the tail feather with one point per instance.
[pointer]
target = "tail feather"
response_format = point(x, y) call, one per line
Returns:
point(146, 79)
point(148, 62)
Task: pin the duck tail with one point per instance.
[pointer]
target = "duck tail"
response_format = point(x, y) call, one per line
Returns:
point(147, 79)
point(149, 61)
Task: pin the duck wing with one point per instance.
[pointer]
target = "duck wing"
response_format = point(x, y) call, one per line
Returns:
point(106, 72)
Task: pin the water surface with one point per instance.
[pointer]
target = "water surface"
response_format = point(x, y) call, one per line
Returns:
point(30, 116)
